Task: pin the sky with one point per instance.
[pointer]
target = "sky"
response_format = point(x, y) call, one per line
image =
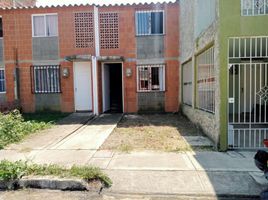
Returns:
point(99, 2)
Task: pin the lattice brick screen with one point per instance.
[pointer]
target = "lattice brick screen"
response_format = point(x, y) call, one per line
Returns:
point(84, 30)
point(109, 30)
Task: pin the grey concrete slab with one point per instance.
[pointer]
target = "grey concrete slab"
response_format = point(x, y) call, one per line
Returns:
point(62, 157)
point(103, 154)
point(13, 155)
point(93, 135)
point(183, 183)
point(156, 182)
point(230, 183)
point(198, 141)
point(151, 161)
point(217, 161)
point(100, 162)
point(45, 138)
point(259, 178)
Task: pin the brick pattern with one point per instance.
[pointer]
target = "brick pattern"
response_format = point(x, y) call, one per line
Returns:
point(109, 30)
point(84, 29)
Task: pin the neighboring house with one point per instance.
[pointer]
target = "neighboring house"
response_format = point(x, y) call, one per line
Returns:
point(121, 58)
point(224, 56)
point(17, 3)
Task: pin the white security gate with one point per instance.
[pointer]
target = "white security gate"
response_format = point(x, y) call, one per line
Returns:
point(248, 92)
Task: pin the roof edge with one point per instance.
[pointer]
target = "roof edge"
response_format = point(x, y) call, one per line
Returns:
point(87, 4)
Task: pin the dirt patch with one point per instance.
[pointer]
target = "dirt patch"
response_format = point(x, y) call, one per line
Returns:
point(152, 132)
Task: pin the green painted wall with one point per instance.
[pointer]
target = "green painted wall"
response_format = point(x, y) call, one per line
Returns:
point(232, 24)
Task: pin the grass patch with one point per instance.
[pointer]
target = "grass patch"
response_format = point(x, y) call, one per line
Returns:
point(44, 117)
point(16, 170)
point(160, 132)
point(15, 126)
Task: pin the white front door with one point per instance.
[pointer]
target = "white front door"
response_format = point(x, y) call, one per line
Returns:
point(82, 86)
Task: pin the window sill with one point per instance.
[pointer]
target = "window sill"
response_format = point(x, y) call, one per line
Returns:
point(151, 91)
point(163, 34)
point(45, 36)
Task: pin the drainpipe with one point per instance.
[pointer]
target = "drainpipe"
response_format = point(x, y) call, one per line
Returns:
point(95, 62)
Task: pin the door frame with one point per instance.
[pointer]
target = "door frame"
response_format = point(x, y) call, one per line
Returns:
point(102, 83)
point(74, 83)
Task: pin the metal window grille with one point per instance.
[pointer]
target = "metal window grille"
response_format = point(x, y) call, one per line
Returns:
point(149, 22)
point(45, 79)
point(109, 30)
point(205, 91)
point(254, 7)
point(150, 78)
point(84, 30)
point(187, 83)
point(248, 92)
point(2, 81)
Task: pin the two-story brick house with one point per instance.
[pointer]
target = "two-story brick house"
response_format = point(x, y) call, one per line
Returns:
point(121, 58)
point(224, 56)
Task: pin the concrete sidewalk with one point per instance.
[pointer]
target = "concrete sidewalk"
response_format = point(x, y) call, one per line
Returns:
point(202, 173)
point(73, 142)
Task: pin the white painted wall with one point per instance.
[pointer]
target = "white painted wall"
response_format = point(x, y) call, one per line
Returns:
point(205, 15)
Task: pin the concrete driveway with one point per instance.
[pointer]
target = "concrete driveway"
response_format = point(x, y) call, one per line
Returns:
point(73, 141)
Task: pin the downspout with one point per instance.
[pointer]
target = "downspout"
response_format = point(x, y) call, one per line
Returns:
point(95, 62)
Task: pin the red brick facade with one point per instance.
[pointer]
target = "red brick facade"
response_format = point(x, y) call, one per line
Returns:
point(17, 28)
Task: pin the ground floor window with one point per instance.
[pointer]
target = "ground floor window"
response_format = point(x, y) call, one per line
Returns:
point(205, 88)
point(187, 75)
point(2, 81)
point(150, 78)
point(46, 79)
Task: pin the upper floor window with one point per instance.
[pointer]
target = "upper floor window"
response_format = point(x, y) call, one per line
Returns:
point(149, 22)
point(2, 81)
point(45, 25)
point(254, 7)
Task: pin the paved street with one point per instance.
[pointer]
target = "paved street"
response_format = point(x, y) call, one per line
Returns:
point(65, 195)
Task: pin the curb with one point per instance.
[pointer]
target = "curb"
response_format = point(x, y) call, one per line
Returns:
point(52, 183)
point(182, 196)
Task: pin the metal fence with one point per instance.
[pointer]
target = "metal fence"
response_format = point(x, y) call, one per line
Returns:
point(254, 7)
point(187, 76)
point(248, 92)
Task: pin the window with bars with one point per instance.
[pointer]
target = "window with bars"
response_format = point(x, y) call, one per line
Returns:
point(45, 25)
point(187, 83)
point(150, 78)
point(149, 23)
point(254, 7)
point(2, 81)
point(109, 30)
point(205, 85)
point(46, 79)
point(84, 30)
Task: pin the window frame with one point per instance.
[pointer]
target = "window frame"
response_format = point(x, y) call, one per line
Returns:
point(45, 24)
point(4, 70)
point(163, 66)
point(1, 37)
point(34, 68)
point(265, 9)
point(150, 25)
